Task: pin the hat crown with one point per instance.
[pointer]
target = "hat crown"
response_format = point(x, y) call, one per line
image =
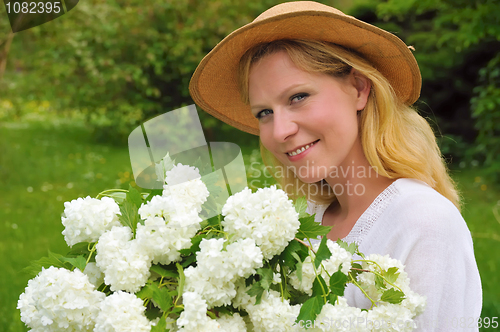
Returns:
point(295, 7)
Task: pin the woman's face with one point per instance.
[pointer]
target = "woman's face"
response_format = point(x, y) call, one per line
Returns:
point(308, 120)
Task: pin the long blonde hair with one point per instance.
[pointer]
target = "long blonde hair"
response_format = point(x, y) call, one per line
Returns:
point(397, 141)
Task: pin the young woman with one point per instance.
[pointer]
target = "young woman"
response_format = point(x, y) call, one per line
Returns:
point(329, 97)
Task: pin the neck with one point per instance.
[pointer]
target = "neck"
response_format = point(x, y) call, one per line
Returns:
point(356, 185)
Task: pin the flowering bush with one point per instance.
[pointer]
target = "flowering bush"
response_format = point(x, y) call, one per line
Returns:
point(151, 263)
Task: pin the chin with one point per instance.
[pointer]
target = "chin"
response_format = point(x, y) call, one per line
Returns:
point(310, 180)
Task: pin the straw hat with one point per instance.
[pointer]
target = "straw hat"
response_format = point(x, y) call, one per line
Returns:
point(214, 85)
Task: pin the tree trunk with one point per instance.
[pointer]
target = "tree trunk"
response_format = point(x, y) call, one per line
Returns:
point(5, 53)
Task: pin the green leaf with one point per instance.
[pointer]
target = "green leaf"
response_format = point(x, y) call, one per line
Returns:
point(338, 281)
point(195, 245)
point(293, 247)
point(391, 275)
point(161, 326)
point(147, 291)
point(322, 253)
point(256, 290)
point(310, 310)
point(162, 297)
point(332, 298)
point(153, 193)
point(351, 248)
point(53, 259)
point(393, 296)
point(379, 282)
point(164, 272)
point(134, 196)
point(301, 207)
point(188, 261)
point(311, 229)
point(266, 277)
point(319, 287)
point(81, 248)
point(129, 216)
point(78, 262)
point(299, 266)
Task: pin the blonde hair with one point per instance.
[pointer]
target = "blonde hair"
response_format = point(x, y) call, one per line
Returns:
point(397, 141)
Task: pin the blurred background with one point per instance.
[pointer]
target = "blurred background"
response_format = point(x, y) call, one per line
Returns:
point(73, 89)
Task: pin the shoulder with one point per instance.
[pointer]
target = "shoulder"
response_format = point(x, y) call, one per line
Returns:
point(415, 200)
point(417, 211)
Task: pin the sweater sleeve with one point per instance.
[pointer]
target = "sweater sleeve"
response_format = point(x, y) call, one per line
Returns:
point(430, 237)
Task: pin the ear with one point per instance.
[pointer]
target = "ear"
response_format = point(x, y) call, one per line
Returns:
point(363, 86)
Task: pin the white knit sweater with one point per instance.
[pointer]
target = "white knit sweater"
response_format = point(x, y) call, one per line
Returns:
point(412, 222)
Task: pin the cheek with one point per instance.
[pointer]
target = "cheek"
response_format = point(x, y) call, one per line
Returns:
point(266, 138)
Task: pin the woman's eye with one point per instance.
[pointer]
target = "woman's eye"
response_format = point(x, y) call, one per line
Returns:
point(298, 97)
point(264, 113)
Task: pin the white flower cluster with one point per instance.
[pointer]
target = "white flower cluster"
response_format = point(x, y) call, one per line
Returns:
point(256, 226)
point(217, 269)
point(340, 317)
point(266, 216)
point(123, 261)
point(273, 314)
point(186, 189)
point(194, 317)
point(171, 220)
point(122, 312)
point(234, 323)
point(60, 300)
point(413, 304)
point(327, 268)
point(86, 219)
point(96, 277)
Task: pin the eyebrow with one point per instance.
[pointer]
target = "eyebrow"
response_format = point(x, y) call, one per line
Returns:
point(282, 94)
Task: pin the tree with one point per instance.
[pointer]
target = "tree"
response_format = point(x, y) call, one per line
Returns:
point(457, 44)
point(120, 62)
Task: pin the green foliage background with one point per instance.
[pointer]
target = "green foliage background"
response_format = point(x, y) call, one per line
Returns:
point(108, 65)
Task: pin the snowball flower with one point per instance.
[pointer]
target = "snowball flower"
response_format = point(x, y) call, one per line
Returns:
point(124, 262)
point(273, 314)
point(174, 214)
point(194, 317)
point(266, 216)
point(122, 312)
point(218, 269)
point(96, 277)
point(413, 303)
point(340, 317)
point(181, 173)
point(186, 189)
point(328, 267)
point(162, 242)
point(367, 280)
point(234, 323)
point(86, 219)
point(60, 300)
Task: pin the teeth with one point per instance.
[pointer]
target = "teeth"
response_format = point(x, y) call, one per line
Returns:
point(300, 150)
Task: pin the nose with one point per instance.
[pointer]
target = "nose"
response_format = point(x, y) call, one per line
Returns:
point(284, 125)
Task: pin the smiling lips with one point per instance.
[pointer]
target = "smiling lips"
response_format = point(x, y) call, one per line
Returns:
point(300, 150)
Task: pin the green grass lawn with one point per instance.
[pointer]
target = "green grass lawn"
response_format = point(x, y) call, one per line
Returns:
point(42, 166)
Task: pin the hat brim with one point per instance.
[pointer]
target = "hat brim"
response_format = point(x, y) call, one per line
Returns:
point(214, 85)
